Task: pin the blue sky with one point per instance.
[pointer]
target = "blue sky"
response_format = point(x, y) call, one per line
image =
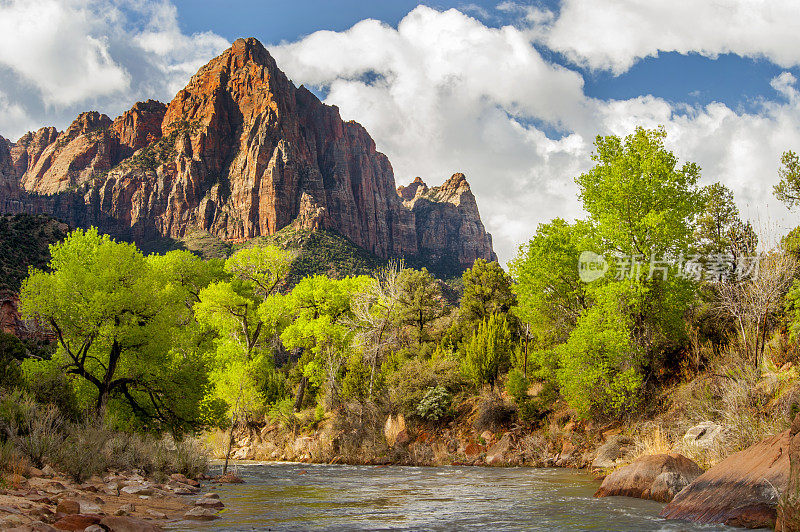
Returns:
point(511, 93)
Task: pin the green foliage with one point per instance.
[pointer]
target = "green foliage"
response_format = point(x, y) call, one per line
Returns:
point(436, 404)
point(24, 244)
point(322, 253)
point(421, 301)
point(788, 188)
point(487, 291)
point(600, 365)
point(488, 351)
point(638, 199)
point(517, 386)
point(117, 319)
point(46, 382)
point(550, 293)
point(414, 376)
point(355, 384)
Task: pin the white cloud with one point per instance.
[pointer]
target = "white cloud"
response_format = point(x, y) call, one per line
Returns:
point(444, 93)
point(614, 34)
point(61, 57)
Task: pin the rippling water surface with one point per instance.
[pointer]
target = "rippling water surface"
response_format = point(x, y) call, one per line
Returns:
point(340, 497)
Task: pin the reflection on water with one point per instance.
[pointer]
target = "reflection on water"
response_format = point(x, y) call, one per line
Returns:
point(340, 497)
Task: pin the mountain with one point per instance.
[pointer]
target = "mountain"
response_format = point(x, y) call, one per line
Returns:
point(239, 153)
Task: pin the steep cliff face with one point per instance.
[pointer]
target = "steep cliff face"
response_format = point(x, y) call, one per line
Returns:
point(9, 184)
point(240, 152)
point(450, 233)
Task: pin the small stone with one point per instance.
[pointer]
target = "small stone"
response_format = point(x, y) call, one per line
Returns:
point(156, 514)
point(138, 489)
point(211, 496)
point(68, 507)
point(76, 522)
point(128, 524)
point(48, 471)
point(94, 528)
point(89, 507)
point(125, 509)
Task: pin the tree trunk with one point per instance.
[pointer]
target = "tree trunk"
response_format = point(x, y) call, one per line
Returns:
point(301, 392)
point(230, 445)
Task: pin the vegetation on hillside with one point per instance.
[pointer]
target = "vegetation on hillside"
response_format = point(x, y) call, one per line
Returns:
point(24, 243)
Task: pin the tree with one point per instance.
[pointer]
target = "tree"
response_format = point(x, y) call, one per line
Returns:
point(487, 291)
point(640, 201)
point(549, 290)
point(720, 230)
point(320, 309)
point(788, 188)
point(112, 319)
point(376, 312)
point(233, 310)
point(421, 300)
point(754, 301)
point(643, 207)
point(488, 351)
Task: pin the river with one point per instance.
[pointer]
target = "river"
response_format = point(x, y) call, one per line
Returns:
point(340, 497)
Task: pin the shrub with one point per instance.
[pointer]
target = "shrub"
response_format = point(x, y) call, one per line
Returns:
point(436, 404)
point(409, 383)
point(35, 431)
point(46, 382)
point(488, 351)
point(80, 454)
point(517, 386)
point(355, 384)
point(492, 413)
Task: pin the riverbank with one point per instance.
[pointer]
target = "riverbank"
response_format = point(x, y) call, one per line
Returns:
point(42, 500)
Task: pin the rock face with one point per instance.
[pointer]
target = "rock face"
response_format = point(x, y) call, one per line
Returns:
point(240, 152)
point(448, 225)
point(616, 448)
point(742, 490)
point(658, 477)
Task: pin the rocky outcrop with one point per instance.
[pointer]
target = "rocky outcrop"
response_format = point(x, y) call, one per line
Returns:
point(789, 509)
point(658, 477)
point(241, 152)
point(742, 490)
point(449, 229)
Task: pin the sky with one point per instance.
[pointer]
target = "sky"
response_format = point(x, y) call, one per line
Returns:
point(510, 93)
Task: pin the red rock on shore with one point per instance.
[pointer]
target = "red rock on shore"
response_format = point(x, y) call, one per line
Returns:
point(742, 490)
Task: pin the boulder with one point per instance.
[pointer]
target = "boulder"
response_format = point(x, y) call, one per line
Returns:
point(789, 511)
point(658, 477)
point(496, 455)
point(612, 451)
point(125, 509)
point(209, 503)
point(742, 490)
point(89, 507)
point(155, 514)
point(704, 434)
point(393, 428)
point(198, 513)
point(128, 524)
point(138, 489)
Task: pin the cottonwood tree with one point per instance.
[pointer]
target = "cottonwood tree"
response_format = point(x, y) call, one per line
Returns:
point(116, 321)
point(233, 309)
point(320, 309)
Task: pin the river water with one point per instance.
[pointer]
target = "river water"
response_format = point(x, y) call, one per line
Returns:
point(339, 497)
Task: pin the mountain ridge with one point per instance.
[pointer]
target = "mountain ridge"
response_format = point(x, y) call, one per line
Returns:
point(240, 152)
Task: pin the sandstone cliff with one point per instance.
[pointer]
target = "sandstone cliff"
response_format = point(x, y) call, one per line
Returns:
point(450, 233)
point(240, 152)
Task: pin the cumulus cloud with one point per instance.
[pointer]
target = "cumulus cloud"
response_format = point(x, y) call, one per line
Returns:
point(614, 34)
point(443, 93)
point(61, 57)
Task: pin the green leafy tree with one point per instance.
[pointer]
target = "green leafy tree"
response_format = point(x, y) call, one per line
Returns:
point(112, 319)
point(421, 300)
point(320, 309)
point(488, 351)
point(487, 291)
point(550, 293)
point(233, 309)
point(788, 188)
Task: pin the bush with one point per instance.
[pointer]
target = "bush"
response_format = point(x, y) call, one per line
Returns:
point(355, 384)
point(492, 413)
point(47, 384)
point(517, 386)
point(80, 454)
point(413, 377)
point(35, 431)
point(436, 404)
